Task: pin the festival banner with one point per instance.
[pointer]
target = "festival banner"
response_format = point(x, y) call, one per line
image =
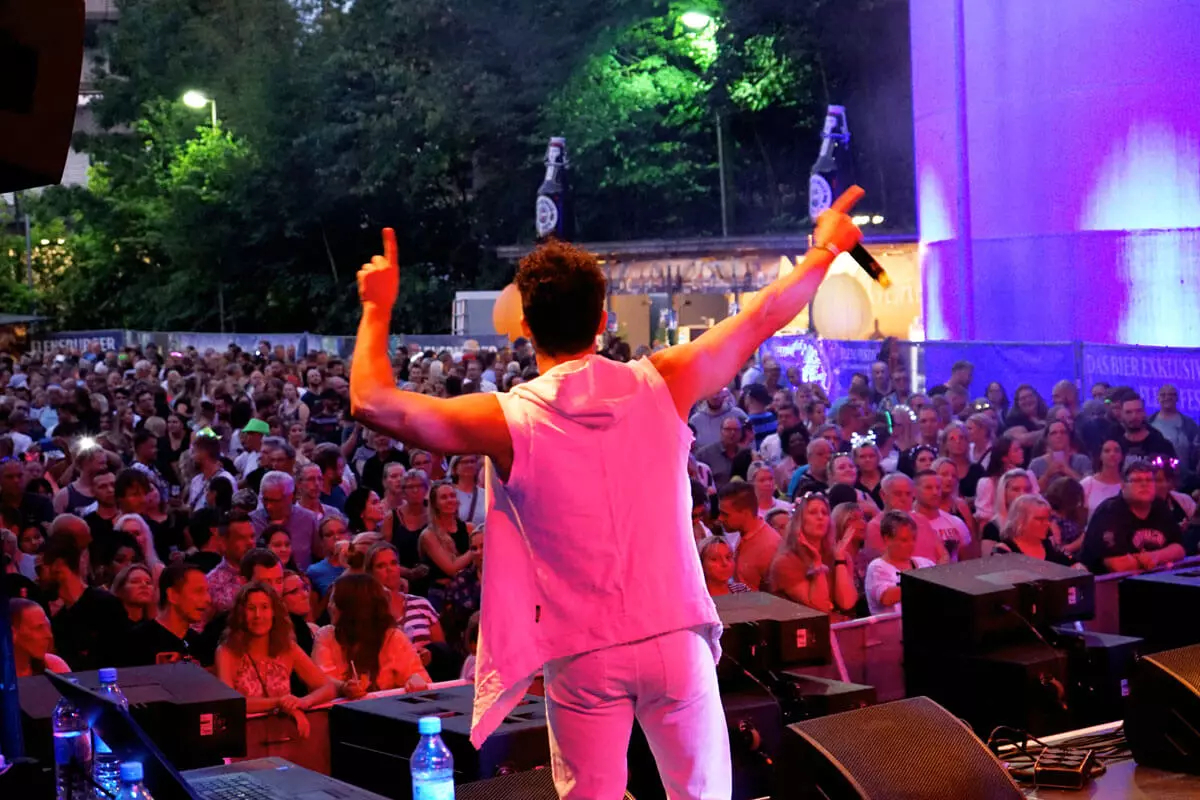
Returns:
point(77, 341)
point(1009, 364)
point(1145, 369)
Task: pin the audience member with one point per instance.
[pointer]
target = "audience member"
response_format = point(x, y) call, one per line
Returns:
point(763, 481)
point(814, 476)
point(258, 655)
point(727, 458)
point(32, 639)
point(1068, 514)
point(225, 580)
point(981, 432)
point(363, 649)
point(1166, 482)
point(364, 510)
point(444, 543)
point(898, 495)
point(206, 456)
point(1013, 484)
point(204, 530)
point(1027, 531)
point(331, 530)
point(1105, 482)
point(882, 584)
point(708, 421)
point(90, 621)
point(870, 476)
point(276, 538)
point(717, 562)
point(171, 635)
point(1131, 531)
point(1180, 430)
point(772, 448)
point(1062, 458)
point(756, 541)
point(1007, 454)
point(464, 473)
point(279, 508)
point(1139, 440)
point(90, 460)
point(810, 567)
point(309, 485)
point(951, 502)
point(134, 587)
point(946, 528)
point(417, 617)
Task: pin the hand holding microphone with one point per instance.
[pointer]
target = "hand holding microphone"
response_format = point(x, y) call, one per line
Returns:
point(837, 234)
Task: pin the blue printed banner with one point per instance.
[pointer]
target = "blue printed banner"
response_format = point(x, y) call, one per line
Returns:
point(1039, 365)
point(78, 341)
point(1146, 369)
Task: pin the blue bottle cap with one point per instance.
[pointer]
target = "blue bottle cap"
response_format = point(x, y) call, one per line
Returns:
point(428, 726)
point(108, 675)
point(131, 772)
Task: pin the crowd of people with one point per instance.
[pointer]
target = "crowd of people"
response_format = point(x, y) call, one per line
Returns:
point(223, 508)
point(827, 500)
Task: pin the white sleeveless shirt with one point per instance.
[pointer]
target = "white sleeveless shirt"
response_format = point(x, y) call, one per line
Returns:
point(589, 543)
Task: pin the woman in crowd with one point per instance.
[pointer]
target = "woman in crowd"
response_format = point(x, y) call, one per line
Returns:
point(952, 503)
point(954, 444)
point(1013, 484)
point(297, 597)
point(135, 587)
point(292, 408)
point(810, 567)
point(981, 433)
point(166, 528)
point(778, 520)
point(843, 472)
point(31, 540)
point(918, 459)
point(364, 648)
point(139, 529)
point(1007, 454)
point(882, 582)
point(464, 472)
point(422, 460)
point(1027, 531)
point(1063, 457)
point(444, 543)
point(870, 476)
point(417, 617)
point(998, 398)
point(364, 510)
point(850, 525)
point(795, 455)
point(904, 433)
point(1068, 514)
point(1166, 477)
point(716, 559)
point(763, 481)
point(278, 539)
point(258, 654)
point(32, 639)
point(1028, 414)
point(408, 500)
point(1105, 481)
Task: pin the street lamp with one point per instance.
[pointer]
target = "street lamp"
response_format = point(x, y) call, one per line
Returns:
point(198, 100)
point(696, 20)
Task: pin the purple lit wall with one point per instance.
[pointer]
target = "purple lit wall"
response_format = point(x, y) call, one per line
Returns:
point(1080, 133)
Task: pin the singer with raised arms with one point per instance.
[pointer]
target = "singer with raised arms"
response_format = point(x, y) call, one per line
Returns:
point(592, 574)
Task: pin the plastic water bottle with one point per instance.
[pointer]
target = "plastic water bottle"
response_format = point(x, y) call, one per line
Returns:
point(432, 765)
point(108, 766)
point(72, 752)
point(131, 783)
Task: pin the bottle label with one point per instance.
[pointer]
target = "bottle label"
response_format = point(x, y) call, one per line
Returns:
point(820, 196)
point(547, 215)
point(434, 790)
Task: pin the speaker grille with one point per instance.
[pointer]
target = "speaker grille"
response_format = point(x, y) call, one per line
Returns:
point(1184, 662)
point(907, 750)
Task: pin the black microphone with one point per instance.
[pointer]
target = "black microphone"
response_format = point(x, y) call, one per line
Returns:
point(870, 265)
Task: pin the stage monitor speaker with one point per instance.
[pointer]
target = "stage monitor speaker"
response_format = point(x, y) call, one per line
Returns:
point(1162, 719)
point(764, 633)
point(1143, 599)
point(907, 750)
point(41, 55)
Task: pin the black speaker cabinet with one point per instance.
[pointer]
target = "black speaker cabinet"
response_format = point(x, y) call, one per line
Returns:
point(1162, 721)
point(371, 741)
point(41, 56)
point(764, 632)
point(907, 750)
point(1145, 603)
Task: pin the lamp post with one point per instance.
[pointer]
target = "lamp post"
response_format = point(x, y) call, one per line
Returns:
point(199, 100)
point(699, 22)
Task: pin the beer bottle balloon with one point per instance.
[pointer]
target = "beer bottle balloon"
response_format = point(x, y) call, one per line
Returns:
point(833, 171)
point(553, 212)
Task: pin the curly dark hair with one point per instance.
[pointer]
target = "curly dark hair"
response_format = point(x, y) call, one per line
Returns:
point(363, 620)
point(237, 636)
point(562, 295)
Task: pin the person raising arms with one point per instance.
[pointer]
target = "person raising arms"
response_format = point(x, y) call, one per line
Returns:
point(583, 411)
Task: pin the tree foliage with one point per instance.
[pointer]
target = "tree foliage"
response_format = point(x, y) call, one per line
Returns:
point(338, 117)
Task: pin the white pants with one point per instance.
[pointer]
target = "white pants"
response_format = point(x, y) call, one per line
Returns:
point(669, 683)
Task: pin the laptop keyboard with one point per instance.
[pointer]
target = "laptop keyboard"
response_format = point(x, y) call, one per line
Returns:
point(232, 787)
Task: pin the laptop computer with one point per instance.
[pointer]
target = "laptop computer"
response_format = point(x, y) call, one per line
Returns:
point(258, 779)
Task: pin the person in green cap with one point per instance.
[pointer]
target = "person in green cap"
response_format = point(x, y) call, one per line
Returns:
point(251, 438)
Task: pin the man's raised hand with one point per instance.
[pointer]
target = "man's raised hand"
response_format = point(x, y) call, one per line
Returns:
point(834, 226)
point(379, 281)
